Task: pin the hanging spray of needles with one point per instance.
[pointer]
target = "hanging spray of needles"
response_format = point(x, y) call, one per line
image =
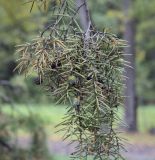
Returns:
point(86, 78)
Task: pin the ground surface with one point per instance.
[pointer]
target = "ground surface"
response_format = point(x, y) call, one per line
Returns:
point(135, 151)
point(141, 147)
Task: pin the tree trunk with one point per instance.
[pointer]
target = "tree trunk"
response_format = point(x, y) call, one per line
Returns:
point(130, 91)
point(84, 16)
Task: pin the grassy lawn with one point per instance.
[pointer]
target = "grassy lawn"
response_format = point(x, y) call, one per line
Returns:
point(51, 115)
point(146, 116)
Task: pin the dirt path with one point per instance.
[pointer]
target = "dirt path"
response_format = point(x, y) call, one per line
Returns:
point(135, 151)
point(139, 152)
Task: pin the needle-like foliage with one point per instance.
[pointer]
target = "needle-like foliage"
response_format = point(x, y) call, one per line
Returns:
point(86, 75)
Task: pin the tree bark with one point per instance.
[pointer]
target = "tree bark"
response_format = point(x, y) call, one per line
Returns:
point(130, 90)
point(84, 16)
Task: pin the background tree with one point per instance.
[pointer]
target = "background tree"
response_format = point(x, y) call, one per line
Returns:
point(130, 88)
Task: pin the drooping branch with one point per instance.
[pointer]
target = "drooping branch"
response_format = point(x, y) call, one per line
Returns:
point(84, 71)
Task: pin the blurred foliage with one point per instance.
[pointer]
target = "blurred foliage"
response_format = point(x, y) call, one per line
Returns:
point(17, 25)
point(107, 14)
point(11, 124)
point(145, 48)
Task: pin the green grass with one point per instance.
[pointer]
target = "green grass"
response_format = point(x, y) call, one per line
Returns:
point(51, 115)
point(47, 115)
point(146, 118)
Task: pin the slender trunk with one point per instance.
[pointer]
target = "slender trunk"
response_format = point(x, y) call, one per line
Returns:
point(84, 16)
point(130, 91)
